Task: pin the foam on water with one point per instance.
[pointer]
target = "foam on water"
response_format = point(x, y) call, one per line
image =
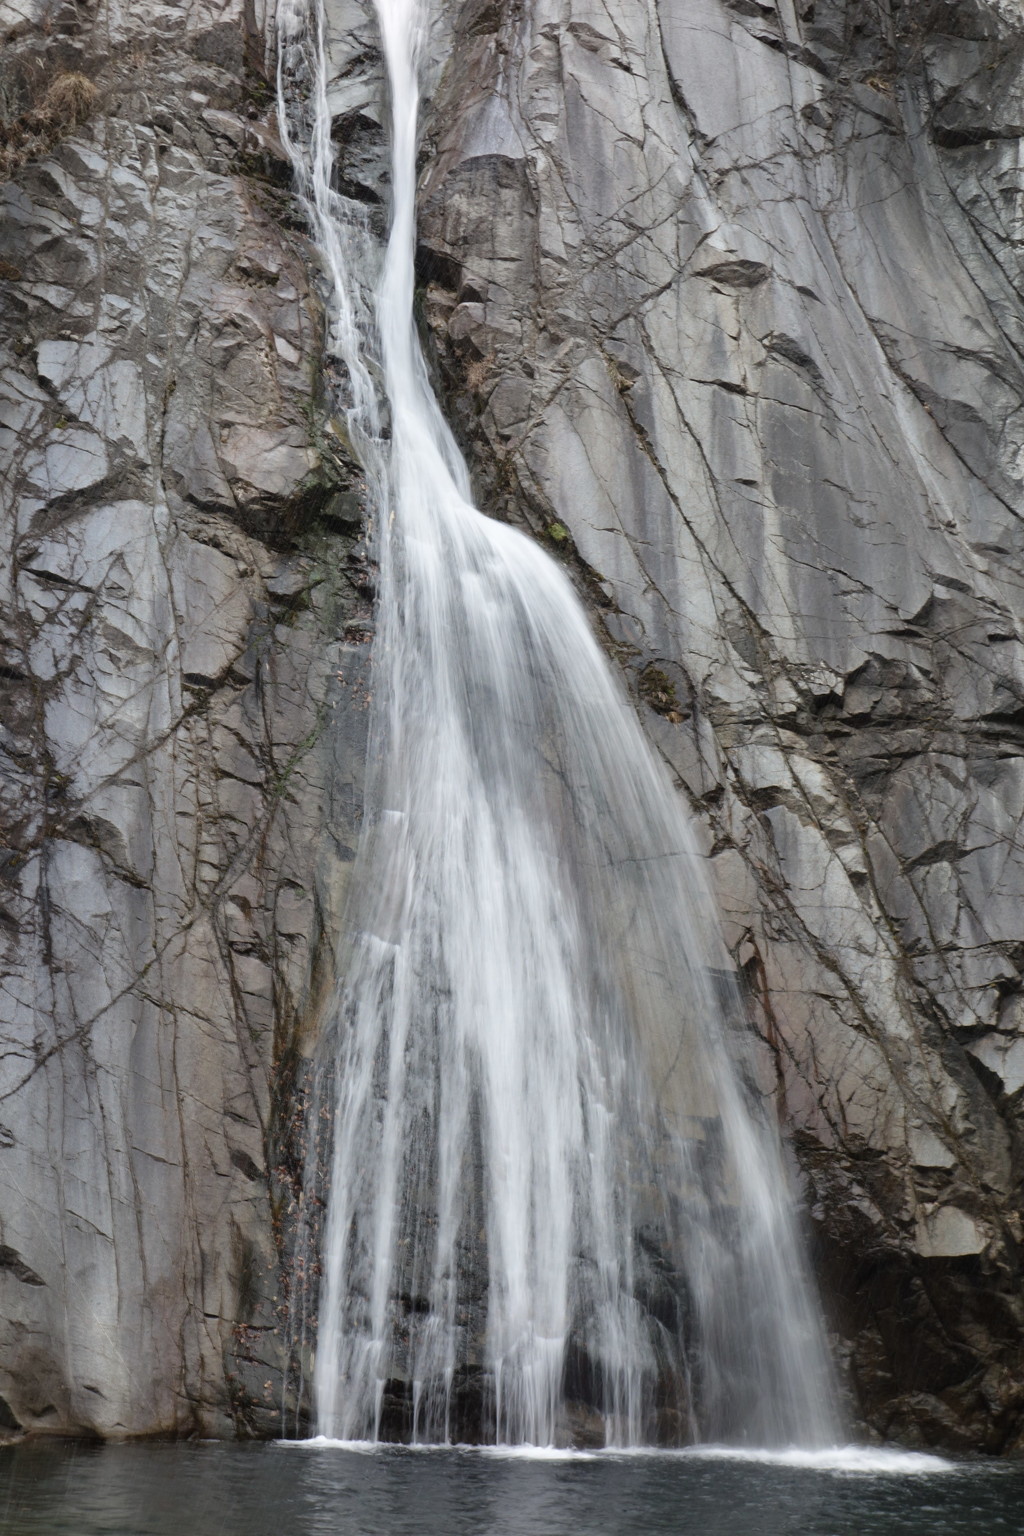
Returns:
point(388, 1448)
point(327, 1443)
point(871, 1461)
point(537, 1453)
point(838, 1458)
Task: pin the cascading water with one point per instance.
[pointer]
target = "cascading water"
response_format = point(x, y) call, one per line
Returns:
point(553, 1208)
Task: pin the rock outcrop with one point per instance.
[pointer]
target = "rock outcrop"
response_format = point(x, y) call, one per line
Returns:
point(179, 764)
point(726, 302)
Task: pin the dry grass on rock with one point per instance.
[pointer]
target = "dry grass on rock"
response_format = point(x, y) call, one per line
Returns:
point(69, 99)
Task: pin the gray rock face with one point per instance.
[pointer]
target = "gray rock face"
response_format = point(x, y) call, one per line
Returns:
point(175, 823)
point(726, 302)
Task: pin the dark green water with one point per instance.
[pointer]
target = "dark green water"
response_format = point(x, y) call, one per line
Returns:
point(63, 1489)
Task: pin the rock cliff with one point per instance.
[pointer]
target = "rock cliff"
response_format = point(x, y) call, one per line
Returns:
point(182, 583)
point(725, 301)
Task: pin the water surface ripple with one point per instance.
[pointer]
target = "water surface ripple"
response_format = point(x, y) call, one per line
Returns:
point(66, 1489)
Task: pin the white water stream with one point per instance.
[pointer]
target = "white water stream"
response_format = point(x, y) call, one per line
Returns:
point(553, 1212)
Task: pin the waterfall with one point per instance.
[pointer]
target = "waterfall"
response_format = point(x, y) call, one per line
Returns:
point(556, 1210)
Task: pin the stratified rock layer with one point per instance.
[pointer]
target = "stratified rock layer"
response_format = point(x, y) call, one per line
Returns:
point(726, 301)
point(172, 619)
